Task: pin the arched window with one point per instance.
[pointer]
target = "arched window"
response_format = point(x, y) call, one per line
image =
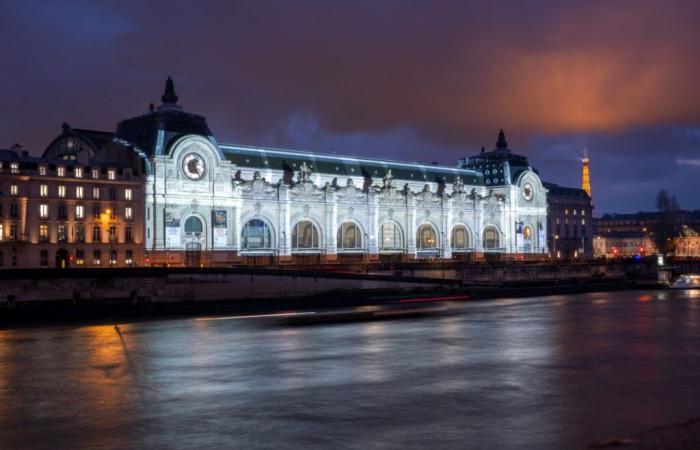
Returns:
point(304, 235)
point(491, 240)
point(349, 236)
point(390, 237)
point(193, 225)
point(460, 238)
point(527, 233)
point(426, 237)
point(256, 235)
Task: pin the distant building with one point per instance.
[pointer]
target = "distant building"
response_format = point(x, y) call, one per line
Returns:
point(67, 208)
point(570, 222)
point(687, 244)
point(627, 244)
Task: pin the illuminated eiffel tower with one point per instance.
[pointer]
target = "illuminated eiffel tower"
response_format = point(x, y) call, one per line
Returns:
point(585, 175)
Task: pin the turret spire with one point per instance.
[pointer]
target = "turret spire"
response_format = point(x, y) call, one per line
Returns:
point(169, 94)
point(502, 144)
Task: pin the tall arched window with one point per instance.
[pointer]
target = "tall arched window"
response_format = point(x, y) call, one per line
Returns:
point(193, 225)
point(304, 235)
point(390, 237)
point(256, 235)
point(460, 238)
point(491, 239)
point(426, 237)
point(349, 236)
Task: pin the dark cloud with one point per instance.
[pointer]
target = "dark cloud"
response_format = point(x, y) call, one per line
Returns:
point(415, 80)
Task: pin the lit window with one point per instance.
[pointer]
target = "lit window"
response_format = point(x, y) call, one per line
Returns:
point(95, 192)
point(129, 257)
point(43, 232)
point(113, 257)
point(566, 212)
point(43, 210)
point(575, 211)
point(583, 212)
point(583, 221)
point(426, 237)
point(61, 171)
point(127, 194)
point(61, 191)
point(14, 190)
point(78, 172)
point(111, 174)
point(2, 232)
point(79, 211)
point(42, 170)
point(96, 257)
point(390, 237)
point(95, 173)
point(79, 193)
point(44, 190)
point(127, 213)
point(79, 257)
point(349, 236)
point(14, 167)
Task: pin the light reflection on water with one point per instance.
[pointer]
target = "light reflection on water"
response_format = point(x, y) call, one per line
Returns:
point(551, 372)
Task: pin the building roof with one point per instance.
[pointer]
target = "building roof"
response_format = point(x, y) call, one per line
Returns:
point(345, 166)
point(500, 166)
point(555, 189)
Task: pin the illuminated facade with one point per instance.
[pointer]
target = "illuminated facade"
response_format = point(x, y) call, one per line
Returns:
point(216, 204)
point(585, 174)
point(67, 209)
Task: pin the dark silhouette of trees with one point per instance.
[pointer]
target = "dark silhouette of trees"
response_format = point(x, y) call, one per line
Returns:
point(668, 223)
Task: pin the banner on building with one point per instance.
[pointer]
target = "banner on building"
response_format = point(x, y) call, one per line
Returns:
point(219, 223)
point(542, 238)
point(172, 231)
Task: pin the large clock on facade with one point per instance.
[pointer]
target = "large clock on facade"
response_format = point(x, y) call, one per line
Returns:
point(193, 166)
point(527, 192)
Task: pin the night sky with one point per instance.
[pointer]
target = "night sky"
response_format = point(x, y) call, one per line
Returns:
point(408, 80)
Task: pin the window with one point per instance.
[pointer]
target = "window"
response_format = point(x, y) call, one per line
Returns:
point(349, 236)
point(460, 238)
point(95, 192)
point(111, 174)
point(96, 257)
point(61, 232)
point(390, 237)
point(79, 192)
point(43, 232)
point(491, 238)
point(128, 213)
point(2, 232)
point(127, 194)
point(304, 235)
point(78, 172)
point(527, 233)
point(112, 257)
point(42, 170)
point(96, 234)
point(79, 211)
point(62, 212)
point(575, 211)
point(61, 191)
point(96, 212)
point(44, 190)
point(14, 232)
point(79, 257)
point(128, 234)
point(566, 212)
point(14, 167)
point(583, 212)
point(256, 235)
point(44, 258)
point(61, 171)
point(583, 221)
point(426, 237)
point(14, 189)
point(14, 210)
point(95, 173)
point(44, 211)
point(129, 259)
point(112, 234)
point(80, 232)
point(112, 194)
point(193, 226)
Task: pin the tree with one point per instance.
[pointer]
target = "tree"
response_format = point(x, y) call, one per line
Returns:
point(667, 224)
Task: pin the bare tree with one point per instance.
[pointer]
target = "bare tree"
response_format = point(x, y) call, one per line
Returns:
point(668, 222)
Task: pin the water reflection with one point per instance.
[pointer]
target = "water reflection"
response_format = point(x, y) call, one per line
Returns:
point(552, 372)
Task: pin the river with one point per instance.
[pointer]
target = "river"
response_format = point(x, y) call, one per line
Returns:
point(549, 372)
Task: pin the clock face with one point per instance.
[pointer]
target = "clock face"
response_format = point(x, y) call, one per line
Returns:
point(193, 166)
point(527, 192)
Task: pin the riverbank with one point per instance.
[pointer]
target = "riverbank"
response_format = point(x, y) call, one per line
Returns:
point(678, 436)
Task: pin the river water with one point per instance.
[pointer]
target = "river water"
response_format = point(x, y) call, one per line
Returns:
point(548, 372)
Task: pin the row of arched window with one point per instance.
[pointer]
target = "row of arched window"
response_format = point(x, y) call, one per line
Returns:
point(256, 235)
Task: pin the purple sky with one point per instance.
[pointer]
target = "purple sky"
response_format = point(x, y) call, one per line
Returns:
point(410, 80)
